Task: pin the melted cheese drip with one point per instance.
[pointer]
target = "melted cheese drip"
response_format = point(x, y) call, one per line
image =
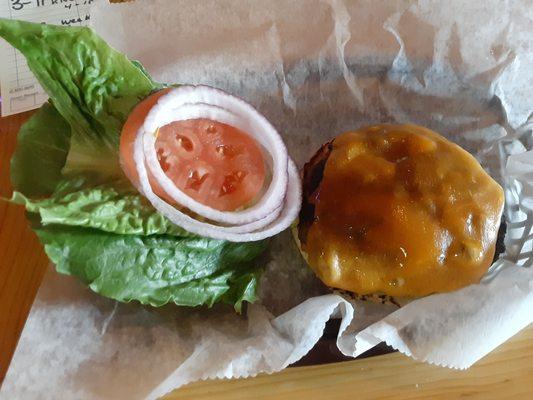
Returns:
point(402, 211)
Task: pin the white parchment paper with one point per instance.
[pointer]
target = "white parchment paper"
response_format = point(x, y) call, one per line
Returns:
point(315, 69)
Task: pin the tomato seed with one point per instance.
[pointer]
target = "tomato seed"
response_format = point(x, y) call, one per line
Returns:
point(195, 181)
point(162, 158)
point(231, 182)
point(211, 129)
point(184, 142)
point(228, 150)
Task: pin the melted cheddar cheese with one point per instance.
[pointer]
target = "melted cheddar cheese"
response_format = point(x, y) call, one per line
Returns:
point(402, 211)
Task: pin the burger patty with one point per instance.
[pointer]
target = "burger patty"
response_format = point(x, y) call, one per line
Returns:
point(397, 210)
point(313, 173)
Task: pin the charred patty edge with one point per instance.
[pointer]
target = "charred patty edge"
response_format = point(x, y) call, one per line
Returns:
point(312, 174)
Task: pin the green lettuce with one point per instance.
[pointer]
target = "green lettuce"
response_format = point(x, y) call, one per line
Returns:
point(93, 86)
point(42, 148)
point(155, 269)
point(102, 207)
point(66, 172)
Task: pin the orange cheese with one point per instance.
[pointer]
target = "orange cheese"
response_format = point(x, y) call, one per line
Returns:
point(402, 211)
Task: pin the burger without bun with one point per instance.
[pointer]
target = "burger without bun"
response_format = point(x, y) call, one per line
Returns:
point(397, 210)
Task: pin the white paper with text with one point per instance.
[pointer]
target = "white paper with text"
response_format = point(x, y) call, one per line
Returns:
point(20, 90)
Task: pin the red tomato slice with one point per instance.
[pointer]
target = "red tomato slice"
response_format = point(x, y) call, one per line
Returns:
point(214, 163)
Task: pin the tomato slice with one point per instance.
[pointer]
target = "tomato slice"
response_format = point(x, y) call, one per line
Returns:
point(214, 163)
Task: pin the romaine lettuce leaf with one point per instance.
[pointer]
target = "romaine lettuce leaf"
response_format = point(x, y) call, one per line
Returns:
point(115, 206)
point(93, 86)
point(102, 207)
point(156, 269)
point(42, 147)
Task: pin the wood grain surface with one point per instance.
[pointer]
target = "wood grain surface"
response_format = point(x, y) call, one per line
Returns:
point(507, 373)
point(22, 260)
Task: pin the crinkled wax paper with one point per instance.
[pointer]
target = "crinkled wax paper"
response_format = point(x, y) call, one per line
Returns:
point(315, 69)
